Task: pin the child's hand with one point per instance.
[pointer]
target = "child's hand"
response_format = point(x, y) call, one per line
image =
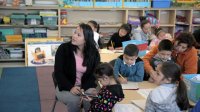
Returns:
point(87, 98)
point(111, 48)
point(122, 80)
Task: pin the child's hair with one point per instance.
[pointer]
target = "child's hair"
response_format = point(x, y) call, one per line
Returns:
point(131, 50)
point(95, 24)
point(186, 38)
point(166, 45)
point(104, 69)
point(143, 21)
point(37, 49)
point(196, 35)
point(158, 31)
point(126, 27)
point(172, 71)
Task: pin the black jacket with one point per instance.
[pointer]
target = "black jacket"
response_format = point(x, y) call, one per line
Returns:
point(65, 69)
point(117, 40)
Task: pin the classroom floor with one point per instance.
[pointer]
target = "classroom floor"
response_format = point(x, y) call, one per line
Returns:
point(45, 86)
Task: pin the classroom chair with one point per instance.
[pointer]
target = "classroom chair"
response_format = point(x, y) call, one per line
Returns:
point(56, 99)
point(112, 62)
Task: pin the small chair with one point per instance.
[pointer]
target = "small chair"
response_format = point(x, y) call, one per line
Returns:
point(56, 99)
point(112, 62)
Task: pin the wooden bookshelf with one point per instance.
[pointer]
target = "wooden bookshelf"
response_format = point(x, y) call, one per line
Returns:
point(110, 19)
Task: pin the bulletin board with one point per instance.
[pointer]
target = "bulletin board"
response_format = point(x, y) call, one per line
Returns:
point(41, 51)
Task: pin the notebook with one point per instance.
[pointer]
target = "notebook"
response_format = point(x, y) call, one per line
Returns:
point(126, 108)
point(144, 92)
point(139, 103)
point(130, 86)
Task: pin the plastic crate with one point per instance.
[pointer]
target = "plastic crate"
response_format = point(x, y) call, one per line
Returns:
point(17, 19)
point(5, 32)
point(161, 3)
point(50, 20)
point(81, 4)
point(110, 4)
point(137, 4)
point(193, 87)
point(33, 19)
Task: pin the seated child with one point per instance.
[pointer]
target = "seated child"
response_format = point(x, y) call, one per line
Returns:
point(171, 94)
point(129, 65)
point(160, 35)
point(124, 34)
point(165, 48)
point(109, 94)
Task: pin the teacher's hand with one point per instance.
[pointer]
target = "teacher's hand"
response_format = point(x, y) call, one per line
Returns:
point(76, 90)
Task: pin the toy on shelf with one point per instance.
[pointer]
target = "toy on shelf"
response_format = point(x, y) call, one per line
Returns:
point(15, 3)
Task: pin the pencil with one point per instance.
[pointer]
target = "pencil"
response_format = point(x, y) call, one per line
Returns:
point(121, 76)
point(112, 43)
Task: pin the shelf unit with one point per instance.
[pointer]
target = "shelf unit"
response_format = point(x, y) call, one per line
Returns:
point(110, 19)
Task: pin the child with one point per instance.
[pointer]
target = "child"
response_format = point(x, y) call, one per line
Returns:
point(165, 48)
point(197, 107)
point(109, 94)
point(171, 94)
point(95, 27)
point(129, 67)
point(144, 32)
point(124, 34)
point(160, 35)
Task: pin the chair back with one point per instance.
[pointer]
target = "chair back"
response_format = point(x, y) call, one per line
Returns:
point(54, 79)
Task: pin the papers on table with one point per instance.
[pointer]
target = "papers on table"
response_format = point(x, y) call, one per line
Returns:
point(106, 51)
point(130, 85)
point(144, 92)
point(126, 108)
point(139, 103)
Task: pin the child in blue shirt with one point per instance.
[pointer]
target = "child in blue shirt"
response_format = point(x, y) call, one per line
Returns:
point(129, 65)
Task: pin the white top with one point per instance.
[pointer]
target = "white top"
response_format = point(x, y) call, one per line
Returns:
point(96, 38)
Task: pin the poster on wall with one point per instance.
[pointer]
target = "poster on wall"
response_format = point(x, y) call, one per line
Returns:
point(41, 53)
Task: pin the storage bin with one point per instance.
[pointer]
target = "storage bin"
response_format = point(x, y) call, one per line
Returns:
point(142, 46)
point(110, 4)
point(161, 3)
point(50, 20)
point(137, 4)
point(17, 19)
point(33, 19)
point(193, 87)
point(5, 32)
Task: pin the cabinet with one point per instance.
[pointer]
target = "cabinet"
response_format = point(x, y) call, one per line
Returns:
point(110, 19)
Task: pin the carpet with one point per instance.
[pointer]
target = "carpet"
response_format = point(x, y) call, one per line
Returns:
point(19, 90)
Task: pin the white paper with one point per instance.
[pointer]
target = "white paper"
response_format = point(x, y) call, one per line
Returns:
point(106, 51)
point(130, 85)
point(144, 92)
point(139, 103)
point(126, 108)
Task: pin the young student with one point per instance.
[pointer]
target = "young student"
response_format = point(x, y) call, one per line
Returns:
point(165, 48)
point(184, 54)
point(124, 34)
point(160, 35)
point(109, 94)
point(144, 32)
point(129, 67)
point(171, 94)
point(95, 27)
